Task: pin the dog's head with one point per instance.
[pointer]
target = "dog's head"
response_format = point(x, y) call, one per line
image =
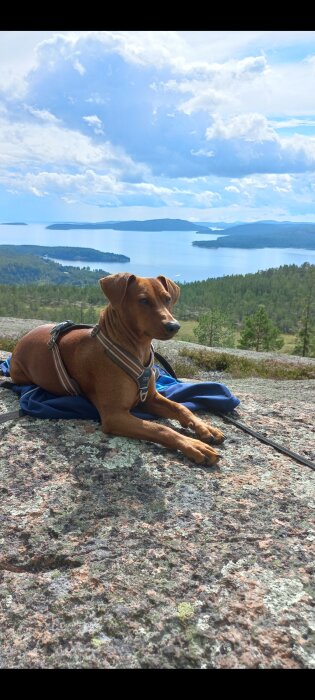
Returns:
point(144, 302)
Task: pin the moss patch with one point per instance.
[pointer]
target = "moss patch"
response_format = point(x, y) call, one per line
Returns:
point(238, 367)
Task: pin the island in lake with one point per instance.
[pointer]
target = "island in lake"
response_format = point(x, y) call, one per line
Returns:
point(34, 264)
point(148, 225)
point(264, 234)
point(14, 223)
point(64, 253)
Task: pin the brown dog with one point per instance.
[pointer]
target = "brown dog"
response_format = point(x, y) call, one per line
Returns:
point(139, 310)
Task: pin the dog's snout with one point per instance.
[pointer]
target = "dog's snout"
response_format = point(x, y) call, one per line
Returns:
point(172, 326)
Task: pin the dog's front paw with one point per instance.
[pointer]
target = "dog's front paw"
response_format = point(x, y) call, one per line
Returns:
point(200, 453)
point(216, 436)
point(208, 434)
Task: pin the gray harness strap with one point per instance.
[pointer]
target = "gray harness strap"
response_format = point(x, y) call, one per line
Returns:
point(127, 362)
point(69, 385)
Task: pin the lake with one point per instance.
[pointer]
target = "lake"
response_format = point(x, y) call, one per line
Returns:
point(168, 253)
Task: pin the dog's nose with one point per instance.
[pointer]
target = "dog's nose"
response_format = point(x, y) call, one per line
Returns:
point(172, 326)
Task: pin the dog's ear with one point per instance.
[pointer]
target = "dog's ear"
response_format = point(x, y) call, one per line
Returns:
point(172, 288)
point(115, 286)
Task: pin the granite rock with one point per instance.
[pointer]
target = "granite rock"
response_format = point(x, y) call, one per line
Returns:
point(116, 553)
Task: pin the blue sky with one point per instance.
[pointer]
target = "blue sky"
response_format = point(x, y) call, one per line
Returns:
point(109, 125)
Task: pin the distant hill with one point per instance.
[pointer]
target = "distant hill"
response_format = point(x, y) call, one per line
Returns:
point(64, 253)
point(265, 235)
point(148, 225)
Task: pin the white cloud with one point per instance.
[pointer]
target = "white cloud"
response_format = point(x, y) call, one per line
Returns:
point(291, 123)
point(78, 67)
point(20, 53)
point(94, 122)
point(232, 188)
point(207, 99)
point(202, 152)
point(17, 58)
point(310, 60)
point(93, 186)
point(44, 183)
point(151, 188)
point(68, 200)
point(247, 144)
point(37, 192)
point(42, 114)
point(215, 84)
point(281, 182)
point(22, 144)
point(250, 127)
point(95, 98)
point(245, 68)
point(301, 148)
point(221, 45)
point(144, 47)
point(246, 85)
point(172, 196)
point(48, 143)
point(208, 198)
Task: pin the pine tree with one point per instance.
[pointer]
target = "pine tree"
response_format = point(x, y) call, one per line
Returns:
point(305, 345)
point(214, 330)
point(259, 333)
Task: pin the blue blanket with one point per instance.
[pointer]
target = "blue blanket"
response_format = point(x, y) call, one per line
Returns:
point(206, 396)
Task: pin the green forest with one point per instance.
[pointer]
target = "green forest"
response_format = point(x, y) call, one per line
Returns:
point(285, 293)
point(282, 291)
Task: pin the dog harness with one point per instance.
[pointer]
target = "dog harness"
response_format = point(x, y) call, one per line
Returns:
point(121, 357)
point(128, 362)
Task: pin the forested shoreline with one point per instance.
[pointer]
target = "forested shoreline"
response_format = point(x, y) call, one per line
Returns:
point(28, 270)
point(63, 253)
point(264, 235)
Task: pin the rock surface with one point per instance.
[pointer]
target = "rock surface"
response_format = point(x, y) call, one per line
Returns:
point(116, 553)
point(15, 327)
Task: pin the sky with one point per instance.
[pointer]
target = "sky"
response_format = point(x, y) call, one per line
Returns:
point(200, 125)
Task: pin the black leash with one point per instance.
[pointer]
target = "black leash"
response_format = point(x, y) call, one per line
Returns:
point(165, 364)
point(267, 441)
point(11, 415)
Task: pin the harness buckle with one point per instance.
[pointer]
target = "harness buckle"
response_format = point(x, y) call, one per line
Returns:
point(143, 383)
point(52, 341)
point(95, 330)
point(58, 329)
